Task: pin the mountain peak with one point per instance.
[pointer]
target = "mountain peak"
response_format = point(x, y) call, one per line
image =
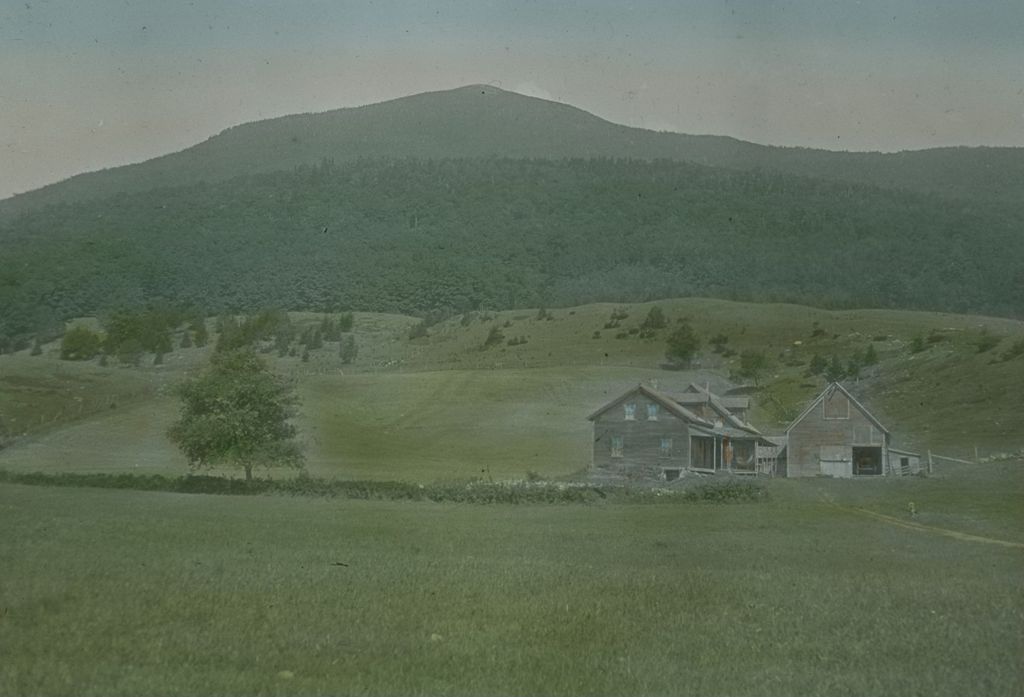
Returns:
point(480, 120)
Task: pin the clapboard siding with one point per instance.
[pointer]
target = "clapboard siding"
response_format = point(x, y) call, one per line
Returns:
point(809, 434)
point(641, 441)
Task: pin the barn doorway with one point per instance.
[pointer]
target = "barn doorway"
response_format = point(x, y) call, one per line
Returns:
point(867, 461)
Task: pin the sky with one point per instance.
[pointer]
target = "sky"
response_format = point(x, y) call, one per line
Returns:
point(88, 84)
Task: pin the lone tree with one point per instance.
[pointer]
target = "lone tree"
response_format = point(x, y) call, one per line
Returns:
point(683, 344)
point(753, 365)
point(237, 413)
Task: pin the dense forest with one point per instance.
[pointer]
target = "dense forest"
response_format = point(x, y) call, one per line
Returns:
point(414, 236)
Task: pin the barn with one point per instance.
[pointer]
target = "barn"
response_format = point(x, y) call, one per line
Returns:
point(647, 434)
point(836, 436)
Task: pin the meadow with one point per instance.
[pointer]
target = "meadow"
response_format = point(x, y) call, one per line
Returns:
point(123, 592)
point(442, 406)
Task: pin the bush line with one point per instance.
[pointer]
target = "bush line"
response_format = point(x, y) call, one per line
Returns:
point(464, 491)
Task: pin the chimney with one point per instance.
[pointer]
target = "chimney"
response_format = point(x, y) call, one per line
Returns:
point(654, 383)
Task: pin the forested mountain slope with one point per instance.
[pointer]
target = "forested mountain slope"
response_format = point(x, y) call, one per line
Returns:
point(413, 236)
point(483, 121)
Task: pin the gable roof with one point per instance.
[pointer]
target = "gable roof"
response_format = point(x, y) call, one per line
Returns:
point(719, 406)
point(831, 388)
point(665, 401)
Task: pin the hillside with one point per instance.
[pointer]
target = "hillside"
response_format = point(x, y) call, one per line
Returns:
point(443, 406)
point(484, 121)
point(412, 236)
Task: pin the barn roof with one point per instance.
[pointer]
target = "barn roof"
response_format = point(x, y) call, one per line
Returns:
point(664, 400)
point(827, 391)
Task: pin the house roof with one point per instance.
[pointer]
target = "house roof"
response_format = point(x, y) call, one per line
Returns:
point(720, 407)
point(904, 452)
point(667, 402)
point(832, 387)
point(733, 433)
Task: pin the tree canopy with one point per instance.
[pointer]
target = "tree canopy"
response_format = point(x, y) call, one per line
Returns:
point(414, 236)
point(237, 413)
point(683, 344)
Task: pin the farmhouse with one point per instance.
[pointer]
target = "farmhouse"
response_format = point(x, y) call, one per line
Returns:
point(837, 436)
point(647, 434)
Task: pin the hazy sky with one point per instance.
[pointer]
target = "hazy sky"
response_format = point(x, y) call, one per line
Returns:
point(88, 84)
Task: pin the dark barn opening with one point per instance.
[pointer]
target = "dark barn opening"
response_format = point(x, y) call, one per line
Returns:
point(867, 460)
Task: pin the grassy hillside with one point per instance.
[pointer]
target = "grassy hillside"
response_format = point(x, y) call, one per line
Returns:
point(443, 406)
point(483, 121)
point(117, 592)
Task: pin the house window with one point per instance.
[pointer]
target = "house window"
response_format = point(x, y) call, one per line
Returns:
point(652, 412)
point(616, 446)
point(666, 447)
point(630, 411)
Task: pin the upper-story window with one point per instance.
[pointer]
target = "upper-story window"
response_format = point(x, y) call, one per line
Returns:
point(666, 447)
point(630, 408)
point(652, 412)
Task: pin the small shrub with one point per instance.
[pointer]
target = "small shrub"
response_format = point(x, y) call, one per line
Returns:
point(917, 344)
point(655, 319)
point(1016, 350)
point(418, 330)
point(596, 334)
point(987, 342)
point(80, 344)
point(718, 342)
point(494, 337)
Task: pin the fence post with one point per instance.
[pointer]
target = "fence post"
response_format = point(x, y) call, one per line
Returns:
point(929, 462)
point(976, 460)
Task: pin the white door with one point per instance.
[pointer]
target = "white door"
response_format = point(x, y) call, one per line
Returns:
point(836, 461)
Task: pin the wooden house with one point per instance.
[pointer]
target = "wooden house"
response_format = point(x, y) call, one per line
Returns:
point(837, 436)
point(647, 434)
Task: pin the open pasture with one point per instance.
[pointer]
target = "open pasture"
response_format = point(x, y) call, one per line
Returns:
point(120, 592)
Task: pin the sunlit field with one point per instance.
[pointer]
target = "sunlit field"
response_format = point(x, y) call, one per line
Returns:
point(121, 592)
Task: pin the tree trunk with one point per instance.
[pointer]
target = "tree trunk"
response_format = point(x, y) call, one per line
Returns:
point(248, 473)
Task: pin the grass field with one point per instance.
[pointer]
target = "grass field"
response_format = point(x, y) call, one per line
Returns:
point(442, 407)
point(120, 592)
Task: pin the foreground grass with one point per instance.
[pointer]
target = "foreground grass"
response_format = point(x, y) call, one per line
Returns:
point(116, 592)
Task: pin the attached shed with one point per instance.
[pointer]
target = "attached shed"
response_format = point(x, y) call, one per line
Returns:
point(904, 462)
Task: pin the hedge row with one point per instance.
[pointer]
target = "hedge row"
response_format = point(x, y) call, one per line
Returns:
point(464, 491)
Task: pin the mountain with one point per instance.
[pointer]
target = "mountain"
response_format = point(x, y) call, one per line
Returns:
point(483, 121)
point(449, 236)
